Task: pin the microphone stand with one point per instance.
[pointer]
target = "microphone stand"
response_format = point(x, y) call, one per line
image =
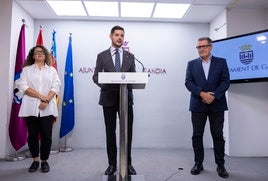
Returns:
point(143, 69)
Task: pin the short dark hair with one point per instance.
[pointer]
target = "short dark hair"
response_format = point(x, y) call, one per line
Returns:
point(205, 38)
point(117, 28)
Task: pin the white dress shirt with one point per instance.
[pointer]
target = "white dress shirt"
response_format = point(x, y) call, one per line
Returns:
point(42, 80)
point(206, 66)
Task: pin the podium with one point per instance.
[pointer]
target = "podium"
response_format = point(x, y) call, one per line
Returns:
point(136, 80)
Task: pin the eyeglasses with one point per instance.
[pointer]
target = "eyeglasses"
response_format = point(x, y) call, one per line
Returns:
point(202, 46)
point(39, 52)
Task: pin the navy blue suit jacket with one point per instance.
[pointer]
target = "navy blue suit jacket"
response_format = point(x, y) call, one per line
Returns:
point(218, 82)
point(109, 95)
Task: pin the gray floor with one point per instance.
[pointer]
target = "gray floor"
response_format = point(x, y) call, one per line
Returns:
point(153, 164)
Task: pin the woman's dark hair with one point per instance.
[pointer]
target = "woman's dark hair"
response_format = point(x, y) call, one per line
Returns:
point(30, 60)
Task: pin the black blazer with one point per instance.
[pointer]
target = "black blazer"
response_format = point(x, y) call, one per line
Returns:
point(218, 82)
point(109, 93)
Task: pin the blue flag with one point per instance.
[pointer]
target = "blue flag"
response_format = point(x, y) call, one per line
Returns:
point(53, 50)
point(67, 116)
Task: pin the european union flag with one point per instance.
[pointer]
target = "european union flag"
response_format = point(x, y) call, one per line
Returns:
point(67, 116)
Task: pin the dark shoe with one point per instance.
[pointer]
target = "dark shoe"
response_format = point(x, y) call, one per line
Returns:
point(197, 168)
point(110, 170)
point(34, 166)
point(131, 170)
point(45, 167)
point(222, 172)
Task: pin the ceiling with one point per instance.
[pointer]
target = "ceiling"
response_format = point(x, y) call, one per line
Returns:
point(201, 11)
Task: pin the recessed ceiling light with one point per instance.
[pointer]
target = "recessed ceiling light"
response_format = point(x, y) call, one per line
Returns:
point(97, 8)
point(165, 10)
point(67, 8)
point(133, 9)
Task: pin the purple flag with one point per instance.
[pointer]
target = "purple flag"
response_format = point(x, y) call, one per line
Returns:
point(17, 125)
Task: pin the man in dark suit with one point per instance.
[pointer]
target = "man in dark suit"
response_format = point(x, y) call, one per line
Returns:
point(109, 95)
point(207, 78)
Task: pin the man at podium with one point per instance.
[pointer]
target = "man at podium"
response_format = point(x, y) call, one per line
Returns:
point(115, 59)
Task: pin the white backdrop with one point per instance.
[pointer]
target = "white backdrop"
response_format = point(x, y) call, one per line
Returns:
point(160, 120)
point(161, 116)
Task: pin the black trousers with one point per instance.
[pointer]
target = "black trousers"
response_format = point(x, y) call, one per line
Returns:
point(110, 114)
point(42, 125)
point(216, 120)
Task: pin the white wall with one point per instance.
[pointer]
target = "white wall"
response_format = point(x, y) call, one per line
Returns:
point(247, 102)
point(161, 111)
point(10, 19)
point(218, 27)
point(5, 21)
point(248, 119)
point(241, 21)
point(161, 120)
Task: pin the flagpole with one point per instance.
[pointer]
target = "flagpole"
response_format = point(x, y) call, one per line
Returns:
point(65, 148)
point(16, 157)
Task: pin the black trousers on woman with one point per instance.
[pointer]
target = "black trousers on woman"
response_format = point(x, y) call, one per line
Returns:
point(216, 120)
point(42, 125)
point(110, 113)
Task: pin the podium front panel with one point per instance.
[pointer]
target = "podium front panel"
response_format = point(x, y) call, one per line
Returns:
point(123, 78)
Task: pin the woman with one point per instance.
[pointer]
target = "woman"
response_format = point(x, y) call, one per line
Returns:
point(39, 83)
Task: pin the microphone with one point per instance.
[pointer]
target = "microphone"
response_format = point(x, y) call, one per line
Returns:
point(143, 68)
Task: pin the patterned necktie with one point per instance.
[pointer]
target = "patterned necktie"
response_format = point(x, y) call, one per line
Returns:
point(117, 61)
